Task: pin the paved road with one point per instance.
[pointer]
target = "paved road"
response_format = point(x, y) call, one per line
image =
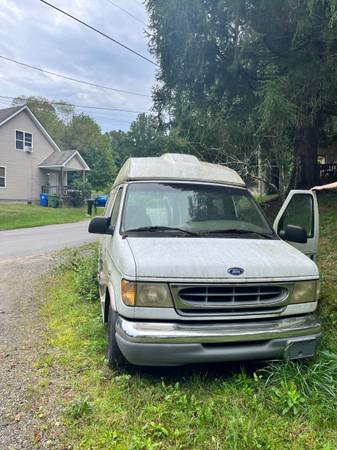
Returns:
point(42, 240)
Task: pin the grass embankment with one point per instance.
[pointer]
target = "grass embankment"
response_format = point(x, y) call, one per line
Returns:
point(277, 406)
point(15, 215)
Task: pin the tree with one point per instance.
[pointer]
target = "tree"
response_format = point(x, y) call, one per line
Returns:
point(121, 146)
point(145, 138)
point(241, 75)
point(84, 135)
point(52, 116)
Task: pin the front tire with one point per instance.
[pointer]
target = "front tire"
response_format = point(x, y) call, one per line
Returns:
point(116, 359)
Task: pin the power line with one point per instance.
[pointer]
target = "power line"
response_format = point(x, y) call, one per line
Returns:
point(127, 12)
point(99, 32)
point(103, 108)
point(89, 83)
point(9, 104)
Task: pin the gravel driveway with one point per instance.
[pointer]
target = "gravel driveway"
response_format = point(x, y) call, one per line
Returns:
point(20, 333)
point(24, 259)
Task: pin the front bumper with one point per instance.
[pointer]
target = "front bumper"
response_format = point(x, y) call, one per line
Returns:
point(171, 344)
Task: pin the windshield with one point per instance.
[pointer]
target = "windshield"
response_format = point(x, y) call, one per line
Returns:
point(188, 209)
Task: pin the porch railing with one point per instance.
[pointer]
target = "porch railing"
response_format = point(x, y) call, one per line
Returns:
point(62, 191)
point(328, 172)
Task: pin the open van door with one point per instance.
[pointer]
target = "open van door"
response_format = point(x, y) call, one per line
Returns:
point(298, 222)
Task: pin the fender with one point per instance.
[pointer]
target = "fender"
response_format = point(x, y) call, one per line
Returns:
point(107, 301)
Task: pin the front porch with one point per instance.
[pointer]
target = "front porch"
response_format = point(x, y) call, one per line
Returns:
point(328, 173)
point(56, 168)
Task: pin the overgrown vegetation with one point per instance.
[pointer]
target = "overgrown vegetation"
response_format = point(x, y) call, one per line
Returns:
point(277, 406)
point(249, 82)
point(15, 215)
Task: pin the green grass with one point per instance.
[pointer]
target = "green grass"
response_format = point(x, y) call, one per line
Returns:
point(15, 215)
point(276, 406)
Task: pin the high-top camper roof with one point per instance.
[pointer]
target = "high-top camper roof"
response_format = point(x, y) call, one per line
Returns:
point(176, 166)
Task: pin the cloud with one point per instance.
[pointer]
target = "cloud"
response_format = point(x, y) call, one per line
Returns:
point(36, 34)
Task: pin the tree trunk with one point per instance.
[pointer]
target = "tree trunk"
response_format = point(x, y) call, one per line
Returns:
point(306, 166)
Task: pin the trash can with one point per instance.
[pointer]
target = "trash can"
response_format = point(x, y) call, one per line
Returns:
point(90, 204)
point(101, 200)
point(43, 199)
point(54, 201)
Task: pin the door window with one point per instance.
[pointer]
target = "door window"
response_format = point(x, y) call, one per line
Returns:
point(109, 203)
point(116, 208)
point(300, 212)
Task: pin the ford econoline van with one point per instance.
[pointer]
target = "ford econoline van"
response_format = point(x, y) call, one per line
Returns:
point(190, 270)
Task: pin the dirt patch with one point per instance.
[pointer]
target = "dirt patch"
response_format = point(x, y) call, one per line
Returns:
point(21, 338)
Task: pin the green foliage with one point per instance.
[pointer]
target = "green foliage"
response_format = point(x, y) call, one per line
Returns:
point(17, 215)
point(288, 398)
point(296, 385)
point(78, 408)
point(237, 75)
point(145, 138)
point(53, 117)
point(86, 279)
point(84, 134)
point(84, 266)
point(82, 191)
point(54, 201)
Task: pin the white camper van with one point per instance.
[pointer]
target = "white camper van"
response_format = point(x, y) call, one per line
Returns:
point(190, 270)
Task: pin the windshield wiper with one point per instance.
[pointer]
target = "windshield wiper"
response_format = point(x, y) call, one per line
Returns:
point(238, 231)
point(159, 228)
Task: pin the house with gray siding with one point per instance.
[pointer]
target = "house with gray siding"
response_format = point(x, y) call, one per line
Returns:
point(30, 160)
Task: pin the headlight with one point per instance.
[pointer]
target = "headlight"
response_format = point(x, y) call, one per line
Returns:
point(155, 295)
point(305, 291)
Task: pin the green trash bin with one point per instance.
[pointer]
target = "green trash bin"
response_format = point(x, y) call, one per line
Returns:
point(54, 201)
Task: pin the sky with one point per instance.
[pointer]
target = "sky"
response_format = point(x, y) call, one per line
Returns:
point(36, 34)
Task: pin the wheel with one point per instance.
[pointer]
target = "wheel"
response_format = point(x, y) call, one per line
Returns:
point(116, 360)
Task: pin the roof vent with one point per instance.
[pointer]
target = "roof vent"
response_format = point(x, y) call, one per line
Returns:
point(180, 157)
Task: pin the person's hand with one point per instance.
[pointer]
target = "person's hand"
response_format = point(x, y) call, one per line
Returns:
point(325, 186)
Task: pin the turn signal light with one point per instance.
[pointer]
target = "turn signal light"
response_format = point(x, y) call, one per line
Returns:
point(128, 292)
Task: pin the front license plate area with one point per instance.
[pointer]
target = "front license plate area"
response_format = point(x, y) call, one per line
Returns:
point(301, 349)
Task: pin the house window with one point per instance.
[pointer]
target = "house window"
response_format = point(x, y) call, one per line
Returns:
point(23, 140)
point(2, 177)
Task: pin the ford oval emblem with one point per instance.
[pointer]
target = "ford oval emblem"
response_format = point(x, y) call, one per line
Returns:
point(235, 271)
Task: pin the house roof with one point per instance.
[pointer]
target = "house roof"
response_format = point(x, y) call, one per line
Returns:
point(9, 113)
point(61, 159)
point(172, 166)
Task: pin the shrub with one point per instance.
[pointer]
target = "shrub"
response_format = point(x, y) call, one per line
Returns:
point(86, 277)
point(84, 264)
point(78, 408)
point(54, 201)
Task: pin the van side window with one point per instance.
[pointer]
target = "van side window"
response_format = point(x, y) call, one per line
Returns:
point(116, 207)
point(109, 203)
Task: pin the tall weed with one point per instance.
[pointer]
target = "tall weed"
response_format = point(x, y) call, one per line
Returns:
point(83, 262)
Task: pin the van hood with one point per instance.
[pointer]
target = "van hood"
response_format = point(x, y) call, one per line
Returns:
point(210, 258)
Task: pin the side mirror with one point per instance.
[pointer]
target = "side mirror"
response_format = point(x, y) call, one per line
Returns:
point(101, 225)
point(293, 233)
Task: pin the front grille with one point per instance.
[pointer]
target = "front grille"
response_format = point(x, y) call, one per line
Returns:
point(229, 299)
